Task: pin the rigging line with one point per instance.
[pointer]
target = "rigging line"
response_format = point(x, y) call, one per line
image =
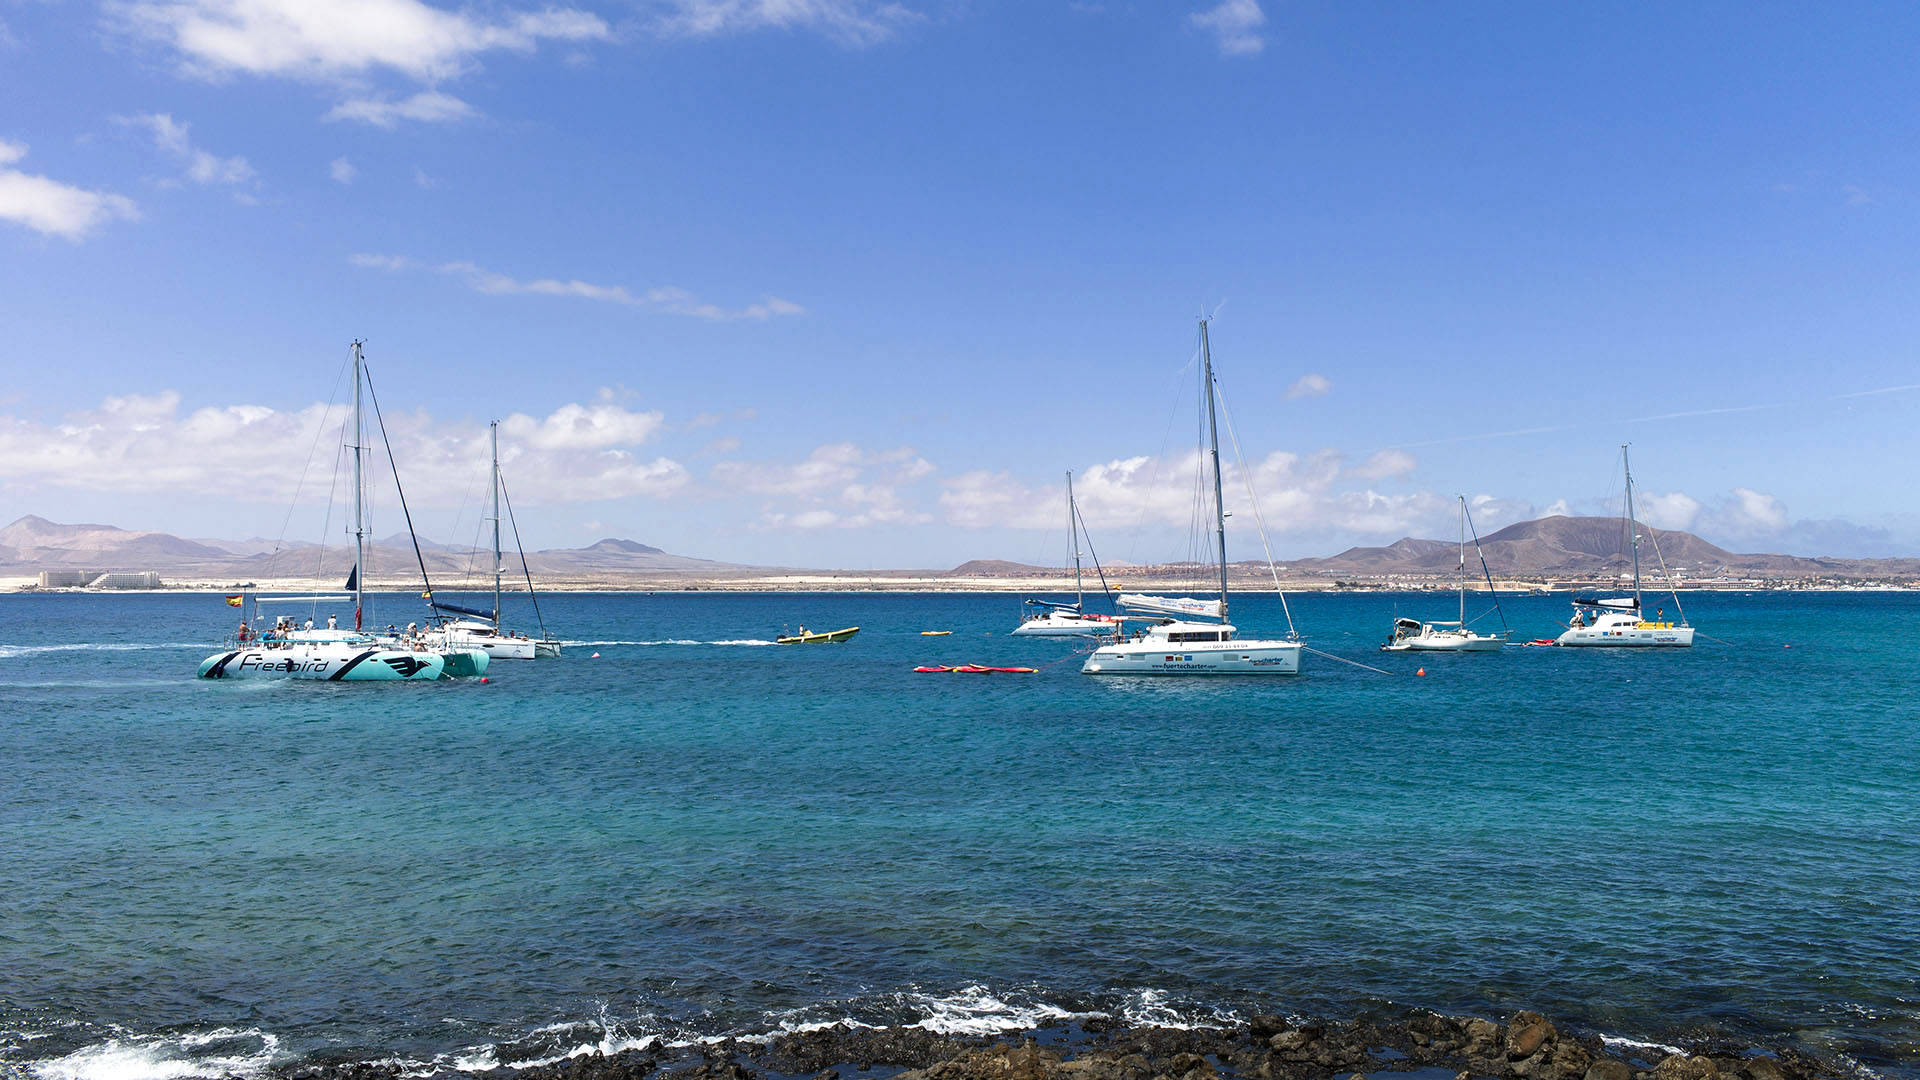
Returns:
point(1672, 590)
point(401, 491)
point(319, 429)
point(1495, 593)
point(1153, 478)
point(320, 556)
point(1096, 555)
point(1344, 660)
point(531, 595)
point(1246, 476)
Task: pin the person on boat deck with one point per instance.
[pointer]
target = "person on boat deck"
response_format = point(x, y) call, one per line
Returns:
point(333, 622)
point(803, 631)
point(309, 624)
point(244, 633)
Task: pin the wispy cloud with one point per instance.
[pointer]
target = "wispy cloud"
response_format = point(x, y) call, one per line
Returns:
point(667, 299)
point(326, 42)
point(852, 22)
point(172, 137)
point(342, 171)
point(50, 207)
point(1235, 26)
point(1309, 385)
point(837, 485)
point(427, 107)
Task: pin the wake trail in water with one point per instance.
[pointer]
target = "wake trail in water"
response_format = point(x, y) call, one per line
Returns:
point(668, 641)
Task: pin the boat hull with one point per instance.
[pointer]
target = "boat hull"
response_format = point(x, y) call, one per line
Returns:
point(818, 639)
point(1195, 658)
point(1448, 643)
point(326, 663)
point(1058, 626)
point(1671, 637)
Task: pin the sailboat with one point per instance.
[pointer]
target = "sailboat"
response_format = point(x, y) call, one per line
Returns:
point(1053, 619)
point(1619, 621)
point(1412, 635)
point(482, 629)
point(1177, 641)
point(334, 654)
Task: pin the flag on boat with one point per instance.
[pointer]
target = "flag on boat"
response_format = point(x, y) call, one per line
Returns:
point(236, 601)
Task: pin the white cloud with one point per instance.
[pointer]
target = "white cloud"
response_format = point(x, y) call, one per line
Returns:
point(171, 137)
point(423, 181)
point(1310, 385)
point(667, 299)
point(427, 107)
point(1675, 510)
point(1235, 26)
point(852, 22)
point(1753, 512)
point(146, 443)
point(838, 485)
point(334, 41)
point(53, 208)
point(1385, 463)
point(342, 171)
point(1297, 494)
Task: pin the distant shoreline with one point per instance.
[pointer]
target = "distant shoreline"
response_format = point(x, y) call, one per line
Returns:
point(856, 584)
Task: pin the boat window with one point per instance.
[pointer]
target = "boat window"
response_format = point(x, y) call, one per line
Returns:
point(1210, 635)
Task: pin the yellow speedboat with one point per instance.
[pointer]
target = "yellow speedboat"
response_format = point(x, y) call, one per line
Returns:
point(806, 638)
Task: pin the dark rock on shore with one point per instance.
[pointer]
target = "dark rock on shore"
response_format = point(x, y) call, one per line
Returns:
point(1527, 1047)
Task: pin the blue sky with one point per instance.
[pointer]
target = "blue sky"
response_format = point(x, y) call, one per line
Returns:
point(835, 282)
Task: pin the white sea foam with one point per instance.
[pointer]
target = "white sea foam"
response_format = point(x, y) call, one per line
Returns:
point(1148, 1007)
point(12, 651)
point(978, 1011)
point(220, 1052)
point(1621, 1042)
point(667, 641)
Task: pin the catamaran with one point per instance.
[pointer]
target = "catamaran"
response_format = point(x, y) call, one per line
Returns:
point(1618, 621)
point(1053, 619)
point(1412, 635)
point(482, 629)
point(334, 654)
point(1178, 641)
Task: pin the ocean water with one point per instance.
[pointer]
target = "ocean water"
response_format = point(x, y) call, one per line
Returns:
point(695, 833)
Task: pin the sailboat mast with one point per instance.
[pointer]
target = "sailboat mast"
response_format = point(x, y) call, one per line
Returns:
point(1463, 562)
point(493, 432)
point(359, 495)
point(1213, 440)
point(1633, 527)
point(1073, 537)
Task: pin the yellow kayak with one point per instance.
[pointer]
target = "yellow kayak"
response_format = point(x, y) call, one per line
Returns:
point(935, 633)
point(805, 638)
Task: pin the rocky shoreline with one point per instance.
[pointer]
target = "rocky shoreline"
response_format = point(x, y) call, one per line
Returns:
point(1527, 1046)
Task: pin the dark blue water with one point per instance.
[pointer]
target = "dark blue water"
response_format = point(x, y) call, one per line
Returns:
point(695, 833)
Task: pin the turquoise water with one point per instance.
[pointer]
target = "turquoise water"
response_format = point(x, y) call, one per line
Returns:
point(695, 833)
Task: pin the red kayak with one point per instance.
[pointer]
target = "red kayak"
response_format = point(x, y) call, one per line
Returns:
point(976, 669)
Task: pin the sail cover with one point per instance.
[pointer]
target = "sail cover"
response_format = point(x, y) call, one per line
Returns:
point(1054, 605)
point(444, 606)
point(1589, 599)
point(1172, 605)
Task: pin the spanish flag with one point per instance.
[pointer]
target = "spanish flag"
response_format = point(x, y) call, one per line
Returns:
point(235, 601)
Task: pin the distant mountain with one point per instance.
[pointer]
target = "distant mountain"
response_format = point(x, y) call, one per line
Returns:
point(50, 544)
point(999, 568)
point(33, 543)
point(1586, 546)
point(624, 547)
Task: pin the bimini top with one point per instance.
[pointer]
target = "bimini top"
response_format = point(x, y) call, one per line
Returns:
point(1172, 605)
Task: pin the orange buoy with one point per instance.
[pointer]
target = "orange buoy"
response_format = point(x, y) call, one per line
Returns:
point(1422, 671)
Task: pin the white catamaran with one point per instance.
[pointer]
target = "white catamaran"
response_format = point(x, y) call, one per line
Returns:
point(482, 630)
point(1412, 635)
point(1182, 644)
point(287, 651)
point(1051, 619)
point(1618, 621)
